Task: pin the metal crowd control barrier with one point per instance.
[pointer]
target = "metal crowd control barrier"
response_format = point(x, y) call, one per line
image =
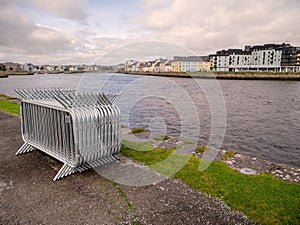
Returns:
point(82, 130)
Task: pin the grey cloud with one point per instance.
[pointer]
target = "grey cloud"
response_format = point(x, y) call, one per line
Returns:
point(20, 34)
point(22, 40)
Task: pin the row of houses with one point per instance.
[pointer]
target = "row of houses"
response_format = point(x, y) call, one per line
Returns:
point(16, 67)
point(29, 67)
point(267, 57)
point(175, 64)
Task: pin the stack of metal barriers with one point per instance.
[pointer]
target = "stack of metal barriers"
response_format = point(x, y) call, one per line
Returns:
point(82, 130)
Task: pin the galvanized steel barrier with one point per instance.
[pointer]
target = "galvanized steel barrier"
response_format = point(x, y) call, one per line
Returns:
point(82, 130)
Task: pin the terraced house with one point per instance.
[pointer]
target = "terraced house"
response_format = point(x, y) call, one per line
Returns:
point(190, 64)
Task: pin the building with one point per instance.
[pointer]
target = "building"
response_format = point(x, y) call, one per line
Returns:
point(155, 66)
point(130, 65)
point(10, 66)
point(168, 66)
point(290, 58)
point(187, 63)
point(204, 66)
point(165, 65)
point(28, 67)
point(267, 57)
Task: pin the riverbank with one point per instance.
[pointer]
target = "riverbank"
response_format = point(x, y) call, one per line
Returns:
point(262, 196)
point(18, 73)
point(225, 75)
point(28, 194)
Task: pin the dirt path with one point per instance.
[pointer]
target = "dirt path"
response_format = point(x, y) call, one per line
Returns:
point(29, 196)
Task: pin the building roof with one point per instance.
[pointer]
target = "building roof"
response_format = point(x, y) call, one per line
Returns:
point(190, 58)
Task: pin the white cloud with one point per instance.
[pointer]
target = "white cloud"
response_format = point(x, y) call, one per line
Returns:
point(68, 9)
point(201, 26)
point(208, 25)
point(22, 39)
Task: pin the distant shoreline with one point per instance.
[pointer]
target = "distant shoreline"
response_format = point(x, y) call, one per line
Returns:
point(225, 75)
point(12, 73)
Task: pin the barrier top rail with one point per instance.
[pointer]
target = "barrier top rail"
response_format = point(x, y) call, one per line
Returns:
point(69, 98)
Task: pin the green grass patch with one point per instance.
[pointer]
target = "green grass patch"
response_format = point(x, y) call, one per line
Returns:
point(150, 157)
point(264, 198)
point(138, 146)
point(7, 105)
point(164, 161)
point(202, 149)
point(228, 154)
point(188, 142)
point(137, 130)
point(162, 138)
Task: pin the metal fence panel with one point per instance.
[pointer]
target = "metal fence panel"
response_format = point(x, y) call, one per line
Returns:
point(82, 130)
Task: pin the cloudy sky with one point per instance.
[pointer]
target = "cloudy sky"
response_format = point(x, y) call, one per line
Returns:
point(80, 31)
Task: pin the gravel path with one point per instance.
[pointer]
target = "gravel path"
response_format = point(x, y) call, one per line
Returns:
point(29, 196)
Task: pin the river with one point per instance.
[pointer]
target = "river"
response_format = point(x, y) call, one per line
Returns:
point(260, 118)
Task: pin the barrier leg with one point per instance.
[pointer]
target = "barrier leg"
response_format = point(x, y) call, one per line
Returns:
point(67, 170)
point(25, 148)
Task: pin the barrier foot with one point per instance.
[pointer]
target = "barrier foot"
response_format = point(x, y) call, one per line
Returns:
point(67, 170)
point(25, 148)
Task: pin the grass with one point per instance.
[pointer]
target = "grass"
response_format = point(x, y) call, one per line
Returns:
point(123, 195)
point(202, 149)
point(6, 104)
point(188, 142)
point(150, 157)
point(137, 130)
point(162, 138)
point(264, 198)
point(140, 146)
point(228, 154)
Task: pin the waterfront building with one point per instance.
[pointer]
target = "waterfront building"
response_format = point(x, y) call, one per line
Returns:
point(267, 57)
point(28, 67)
point(204, 66)
point(130, 65)
point(165, 65)
point(220, 61)
point(155, 66)
point(147, 66)
point(168, 66)
point(11, 66)
point(290, 58)
point(187, 63)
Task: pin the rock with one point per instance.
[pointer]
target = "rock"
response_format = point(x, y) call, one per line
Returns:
point(229, 163)
point(248, 171)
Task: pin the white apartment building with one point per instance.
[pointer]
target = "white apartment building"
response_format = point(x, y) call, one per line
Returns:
point(239, 62)
point(266, 58)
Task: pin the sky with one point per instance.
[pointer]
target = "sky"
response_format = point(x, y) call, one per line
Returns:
point(80, 31)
